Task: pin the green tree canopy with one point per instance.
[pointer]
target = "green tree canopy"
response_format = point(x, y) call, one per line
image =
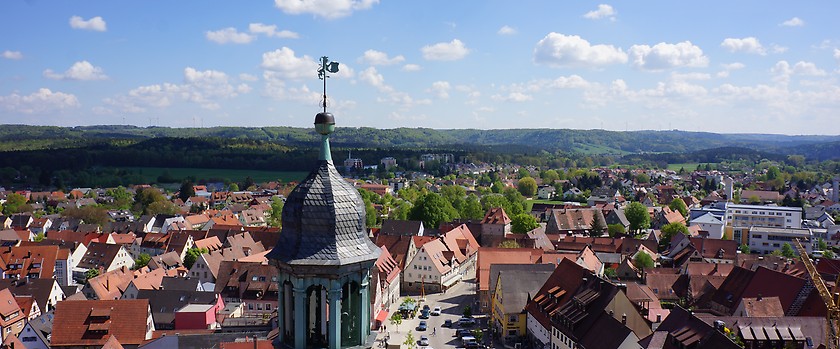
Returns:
point(432, 209)
point(669, 231)
point(275, 218)
point(471, 208)
point(787, 251)
point(744, 249)
point(192, 256)
point(187, 191)
point(497, 187)
point(678, 205)
point(549, 176)
point(615, 229)
point(523, 223)
point(122, 198)
point(142, 260)
point(638, 216)
point(527, 187)
point(599, 225)
point(88, 214)
point(643, 261)
point(15, 203)
point(509, 244)
point(161, 207)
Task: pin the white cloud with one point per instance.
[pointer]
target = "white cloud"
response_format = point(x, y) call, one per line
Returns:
point(203, 87)
point(783, 70)
point(329, 9)
point(558, 50)
point(506, 30)
point(665, 56)
point(374, 57)
point(733, 66)
point(82, 70)
point(514, 97)
point(793, 22)
point(603, 11)
point(12, 54)
point(247, 77)
point(440, 89)
point(837, 55)
point(748, 44)
point(271, 31)
point(229, 35)
point(286, 65)
point(411, 67)
point(373, 78)
point(42, 101)
point(689, 76)
point(778, 49)
point(445, 51)
point(572, 81)
point(95, 23)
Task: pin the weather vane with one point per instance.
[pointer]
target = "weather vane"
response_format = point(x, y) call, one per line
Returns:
point(326, 67)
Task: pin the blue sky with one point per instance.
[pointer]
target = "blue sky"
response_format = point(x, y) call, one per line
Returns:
point(718, 66)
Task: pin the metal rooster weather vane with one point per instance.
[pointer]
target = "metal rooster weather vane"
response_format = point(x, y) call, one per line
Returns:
point(326, 67)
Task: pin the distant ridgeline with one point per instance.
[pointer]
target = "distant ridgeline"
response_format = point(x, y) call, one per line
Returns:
point(50, 148)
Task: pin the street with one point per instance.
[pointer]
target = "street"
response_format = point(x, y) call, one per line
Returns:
point(451, 303)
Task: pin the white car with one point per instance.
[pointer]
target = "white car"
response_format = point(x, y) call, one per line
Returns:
point(424, 341)
point(436, 311)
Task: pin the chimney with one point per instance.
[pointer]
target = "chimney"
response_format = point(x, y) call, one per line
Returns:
point(775, 266)
point(658, 318)
point(758, 299)
point(624, 319)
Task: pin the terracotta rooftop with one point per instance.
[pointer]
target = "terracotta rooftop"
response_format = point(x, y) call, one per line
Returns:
point(93, 323)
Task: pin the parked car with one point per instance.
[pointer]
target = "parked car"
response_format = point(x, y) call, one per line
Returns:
point(422, 326)
point(447, 323)
point(424, 314)
point(466, 321)
point(436, 311)
point(424, 341)
point(426, 307)
point(461, 333)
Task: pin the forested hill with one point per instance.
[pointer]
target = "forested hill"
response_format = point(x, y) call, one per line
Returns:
point(24, 137)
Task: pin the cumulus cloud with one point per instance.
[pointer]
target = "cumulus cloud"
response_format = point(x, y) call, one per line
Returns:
point(837, 55)
point(247, 77)
point(728, 67)
point(440, 89)
point(506, 30)
point(445, 51)
point(82, 70)
point(374, 57)
point(373, 78)
point(329, 9)
point(558, 50)
point(411, 67)
point(783, 71)
point(229, 35)
point(748, 44)
point(42, 101)
point(95, 23)
point(12, 54)
point(286, 65)
point(778, 48)
point(603, 11)
point(793, 22)
point(203, 87)
point(572, 81)
point(514, 97)
point(271, 31)
point(665, 56)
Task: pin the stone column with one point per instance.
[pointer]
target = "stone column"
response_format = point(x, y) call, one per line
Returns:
point(335, 316)
point(323, 310)
point(281, 311)
point(364, 312)
point(300, 315)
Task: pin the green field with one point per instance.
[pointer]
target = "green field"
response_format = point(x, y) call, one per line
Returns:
point(687, 166)
point(152, 173)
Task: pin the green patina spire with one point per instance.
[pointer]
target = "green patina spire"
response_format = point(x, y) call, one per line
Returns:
point(325, 125)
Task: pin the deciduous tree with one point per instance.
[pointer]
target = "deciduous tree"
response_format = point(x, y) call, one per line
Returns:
point(638, 216)
point(523, 223)
point(432, 209)
point(527, 187)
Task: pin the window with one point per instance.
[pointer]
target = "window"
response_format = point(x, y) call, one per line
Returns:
point(267, 306)
point(250, 306)
point(259, 306)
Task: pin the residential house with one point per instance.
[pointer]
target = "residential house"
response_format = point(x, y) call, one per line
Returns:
point(666, 216)
point(37, 332)
point(760, 307)
point(165, 303)
point(782, 332)
point(760, 196)
point(386, 276)
point(391, 227)
point(143, 280)
point(575, 308)
point(496, 223)
point(108, 285)
point(167, 261)
point(12, 318)
point(253, 284)
point(546, 192)
point(85, 324)
point(682, 329)
point(46, 292)
point(34, 262)
point(709, 223)
point(513, 290)
point(603, 195)
point(571, 221)
point(765, 240)
point(105, 257)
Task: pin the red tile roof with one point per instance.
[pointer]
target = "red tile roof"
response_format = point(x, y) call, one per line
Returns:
point(92, 323)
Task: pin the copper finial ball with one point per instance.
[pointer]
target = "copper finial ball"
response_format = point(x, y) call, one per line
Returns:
point(324, 123)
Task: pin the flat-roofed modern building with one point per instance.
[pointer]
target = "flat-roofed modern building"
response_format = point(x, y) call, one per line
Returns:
point(740, 218)
point(765, 240)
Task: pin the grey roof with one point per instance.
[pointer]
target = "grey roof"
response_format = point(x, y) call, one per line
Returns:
point(398, 227)
point(495, 269)
point(43, 326)
point(164, 303)
point(324, 223)
point(517, 287)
